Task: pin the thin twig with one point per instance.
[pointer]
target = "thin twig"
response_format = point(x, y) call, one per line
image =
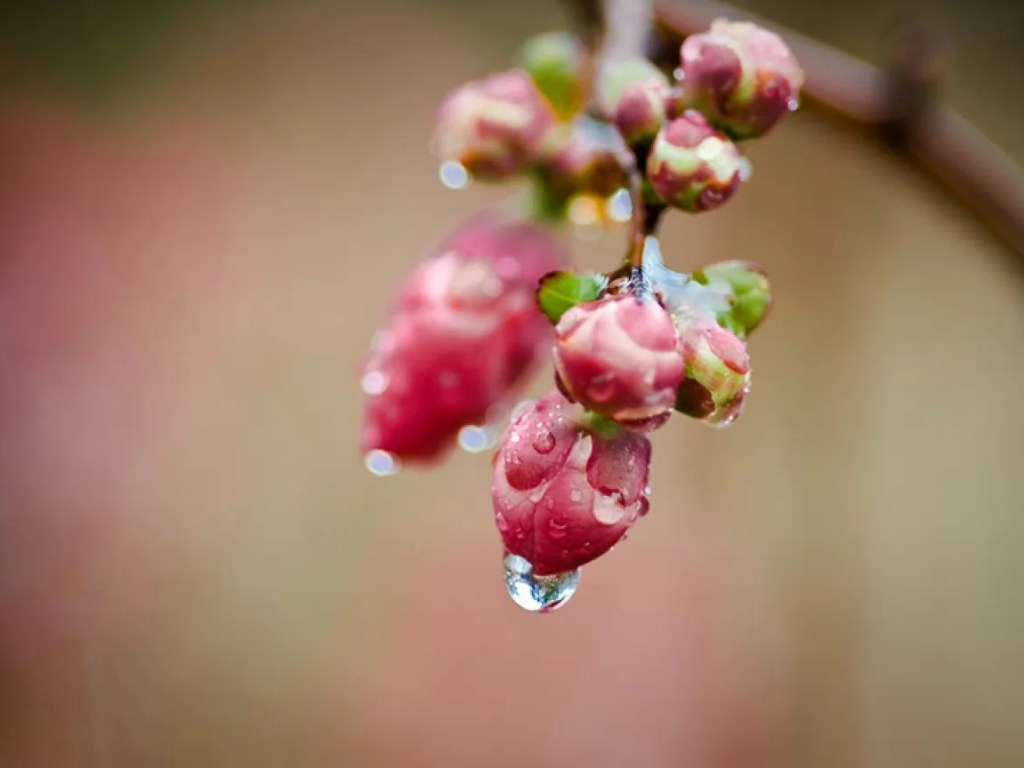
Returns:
point(896, 106)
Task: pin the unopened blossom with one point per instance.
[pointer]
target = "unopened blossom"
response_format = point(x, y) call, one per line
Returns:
point(619, 356)
point(693, 166)
point(464, 332)
point(561, 68)
point(717, 371)
point(590, 158)
point(637, 98)
point(565, 492)
point(495, 127)
point(742, 76)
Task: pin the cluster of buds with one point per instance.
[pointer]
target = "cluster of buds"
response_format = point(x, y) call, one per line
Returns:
point(629, 348)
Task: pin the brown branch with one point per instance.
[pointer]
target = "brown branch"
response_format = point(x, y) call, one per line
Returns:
point(896, 105)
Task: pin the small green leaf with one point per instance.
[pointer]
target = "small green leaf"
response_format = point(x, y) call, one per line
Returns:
point(559, 292)
point(746, 287)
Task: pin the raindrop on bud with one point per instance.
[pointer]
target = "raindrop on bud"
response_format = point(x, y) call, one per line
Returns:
point(381, 463)
point(474, 439)
point(453, 175)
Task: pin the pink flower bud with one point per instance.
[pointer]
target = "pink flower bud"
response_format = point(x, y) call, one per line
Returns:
point(619, 356)
point(464, 332)
point(692, 166)
point(495, 127)
point(564, 495)
point(635, 96)
point(743, 77)
point(591, 159)
point(717, 371)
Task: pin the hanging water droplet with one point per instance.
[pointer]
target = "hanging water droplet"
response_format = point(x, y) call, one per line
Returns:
point(374, 382)
point(746, 169)
point(381, 463)
point(679, 74)
point(453, 175)
point(620, 206)
point(794, 105)
point(557, 529)
point(474, 439)
point(537, 594)
point(544, 442)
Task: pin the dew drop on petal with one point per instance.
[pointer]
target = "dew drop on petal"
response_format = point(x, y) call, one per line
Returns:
point(474, 439)
point(537, 594)
point(794, 105)
point(620, 207)
point(453, 175)
point(374, 382)
point(544, 442)
point(381, 463)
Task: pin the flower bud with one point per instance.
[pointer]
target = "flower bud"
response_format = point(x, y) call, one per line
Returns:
point(464, 332)
point(619, 356)
point(741, 76)
point(591, 159)
point(692, 166)
point(635, 96)
point(560, 67)
point(494, 127)
point(717, 371)
point(564, 494)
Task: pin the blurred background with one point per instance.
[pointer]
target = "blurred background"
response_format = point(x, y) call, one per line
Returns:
point(204, 207)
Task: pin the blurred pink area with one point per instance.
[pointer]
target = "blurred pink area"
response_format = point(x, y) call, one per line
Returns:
point(195, 569)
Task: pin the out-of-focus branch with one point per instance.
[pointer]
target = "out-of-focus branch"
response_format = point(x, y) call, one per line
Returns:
point(896, 105)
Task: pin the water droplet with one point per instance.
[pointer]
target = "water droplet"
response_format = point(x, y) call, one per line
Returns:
point(537, 594)
point(474, 439)
point(557, 528)
point(647, 491)
point(453, 175)
point(514, 437)
point(583, 211)
point(746, 169)
point(381, 463)
point(544, 442)
point(620, 207)
point(794, 105)
point(679, 74)
point(374, 382)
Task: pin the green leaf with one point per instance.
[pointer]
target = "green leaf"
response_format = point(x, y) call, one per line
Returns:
point(745, 286)
point(559, 292)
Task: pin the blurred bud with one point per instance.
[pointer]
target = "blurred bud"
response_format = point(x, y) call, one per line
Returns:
point(619, 356)
point(464, 332)
point(692, 166)
point(717, 371)
point(494, 127)
point(741, 76)
point(591, 159)
point(564, 494)
point(746, 289)
point(560, 67)
point(635, 96)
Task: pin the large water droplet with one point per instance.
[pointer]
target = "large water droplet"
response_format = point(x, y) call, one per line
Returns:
point(794, 105)
point(381, 463)
point(473, 439)
point(374, 382)
point(679, 74)
point(453, 175)
point(537, 594)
